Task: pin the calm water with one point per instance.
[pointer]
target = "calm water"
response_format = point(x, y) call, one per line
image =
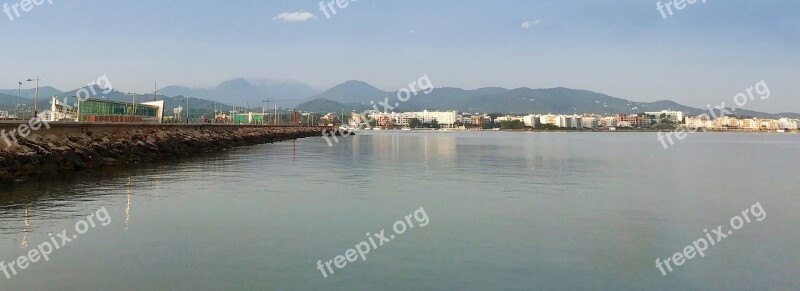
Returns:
point(507, 211)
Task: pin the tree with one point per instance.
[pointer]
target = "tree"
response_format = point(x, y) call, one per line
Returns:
point(549, 127)
point(512, 124)
point(414, 123)
point(435, 124)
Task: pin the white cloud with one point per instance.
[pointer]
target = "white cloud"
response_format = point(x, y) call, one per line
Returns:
point(529, 24)
point(298, 16)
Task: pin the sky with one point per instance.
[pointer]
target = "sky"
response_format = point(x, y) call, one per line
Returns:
point(705, 53)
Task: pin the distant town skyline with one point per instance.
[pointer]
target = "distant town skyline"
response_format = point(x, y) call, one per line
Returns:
point(703, 54)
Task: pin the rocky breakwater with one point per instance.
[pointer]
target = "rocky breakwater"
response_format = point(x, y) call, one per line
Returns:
point(49, 154)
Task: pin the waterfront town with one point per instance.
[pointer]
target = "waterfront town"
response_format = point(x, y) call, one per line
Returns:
point(666, 119)
point(106, 111)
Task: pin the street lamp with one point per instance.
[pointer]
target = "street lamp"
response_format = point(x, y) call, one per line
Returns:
point(19, 96)
point(187, 108)
point(134, 101)
point(35, 99)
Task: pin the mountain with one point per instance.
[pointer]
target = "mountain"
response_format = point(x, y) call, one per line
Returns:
point(44, 92)
point(352, 92)
point(357, 95)
point(244, 92)
point(9, 101)
point(326, 105)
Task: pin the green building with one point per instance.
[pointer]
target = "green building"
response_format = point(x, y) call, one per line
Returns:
point(95, 110)
point(247, 118)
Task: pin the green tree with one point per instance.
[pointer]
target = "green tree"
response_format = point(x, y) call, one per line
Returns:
point(512, 124)
point(435, 124)
point(414, 123)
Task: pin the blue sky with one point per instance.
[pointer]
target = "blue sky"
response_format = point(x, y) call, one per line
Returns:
point(703, 54)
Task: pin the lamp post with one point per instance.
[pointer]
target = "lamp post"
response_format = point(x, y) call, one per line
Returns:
point(187, 108)
point(264, 111)
point(35, 99)
point(19, 96)
point(134, 102)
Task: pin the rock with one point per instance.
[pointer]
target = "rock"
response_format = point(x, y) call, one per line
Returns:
point(52, 154)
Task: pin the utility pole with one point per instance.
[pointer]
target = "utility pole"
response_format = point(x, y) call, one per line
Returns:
point(35, 99)
point(187, 110)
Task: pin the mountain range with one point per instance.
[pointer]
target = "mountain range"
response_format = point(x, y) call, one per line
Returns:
point(247, 93)
point(360, 96)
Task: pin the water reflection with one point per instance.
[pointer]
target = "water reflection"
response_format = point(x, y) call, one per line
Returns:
point(128, 203)
point(26, 221)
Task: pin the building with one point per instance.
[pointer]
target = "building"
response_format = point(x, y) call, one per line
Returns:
point(674, 116)
point(383, 119)
point(573, 121)
point(446, 119)
point(607, 121)
point(508, 118)
point(589, 122)
point(531, 120)
point(96, 110)
point(549, 119)
point(701, 121)
point(628, 120)
point(790, 124)
point(327, 120)
point(248, 118)
point(479, 120)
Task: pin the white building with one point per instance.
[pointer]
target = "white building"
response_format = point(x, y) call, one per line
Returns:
point(549, 119)
point(446, 119)
point(590, 122)
point(530, 120)
point(610, 121)
point(508, 118)
point(574, 121)
point(790, 124)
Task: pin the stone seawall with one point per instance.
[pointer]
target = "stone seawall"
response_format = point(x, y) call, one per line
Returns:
point(70, 150)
